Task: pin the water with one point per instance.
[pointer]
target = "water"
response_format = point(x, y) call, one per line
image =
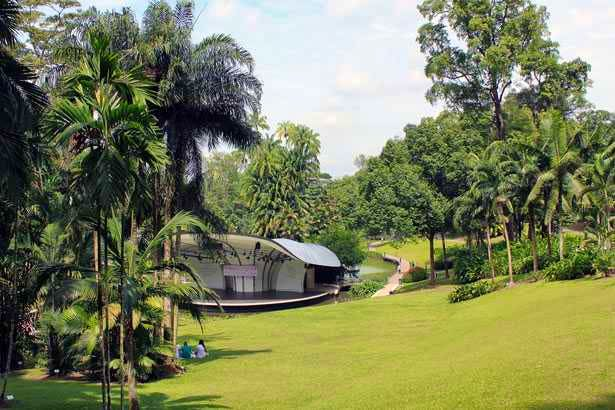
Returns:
point(367, 269)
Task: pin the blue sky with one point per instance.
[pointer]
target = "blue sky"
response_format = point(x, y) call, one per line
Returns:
point(351, 69)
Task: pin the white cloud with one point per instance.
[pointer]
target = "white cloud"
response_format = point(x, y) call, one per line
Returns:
point(349, 79)
point(389, 31)
point(222, 8)
point(343, 8)
point(581, 17)
point(404, 6)
point(417, 77)
point(329, 118)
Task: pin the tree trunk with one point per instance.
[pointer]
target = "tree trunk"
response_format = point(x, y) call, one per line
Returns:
point(156, 218)
point(549, 227)
point(9, 352)
point(166, 255)
point(560, 230)
point(489, 252)
point(509, 254)
point(432, 275)
point(549, 236)
point(134, 231)
point(51, 364)
point(498, 117)
point(99, 309)
point(532, 234)
point(158, 327)
point(122, 307)
point(175, 308)
point(130, 362)
point(444, 255)
point(106, 304)
point(131, 378)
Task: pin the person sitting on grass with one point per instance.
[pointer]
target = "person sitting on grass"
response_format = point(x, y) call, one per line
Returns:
point(186, 351)
point(201, 350)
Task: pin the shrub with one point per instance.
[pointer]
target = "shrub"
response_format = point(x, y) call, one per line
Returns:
point(468, 265)
point(575, 266)
point(365, 289)
point(418, 274)
point(470, 291)
point(441, 265)
point(603, 262)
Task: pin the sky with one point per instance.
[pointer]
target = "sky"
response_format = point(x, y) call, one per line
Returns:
point(352, 70)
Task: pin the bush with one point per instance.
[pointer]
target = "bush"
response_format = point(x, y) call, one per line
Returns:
point(365, 289)
point(418, 274)
point(468, 264)
point(603, 262)
point(470, 291)
point(575, 266)
point(441, 265)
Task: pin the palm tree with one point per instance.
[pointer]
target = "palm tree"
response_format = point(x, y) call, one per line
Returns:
point(561, 154)
point(207, 93)
point(486, 186)
point(467, 217)
point(138, 270)
point(21, 282)
point(281, 182)
point(21, 101)
point(594, 185)
point(523, 169)
point(491, 175)
point(103, 119)
point(258, 122)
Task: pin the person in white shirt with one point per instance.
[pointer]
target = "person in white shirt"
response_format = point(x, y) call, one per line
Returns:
point(201, 350)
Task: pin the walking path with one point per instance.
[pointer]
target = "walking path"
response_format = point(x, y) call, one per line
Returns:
point(403, 267)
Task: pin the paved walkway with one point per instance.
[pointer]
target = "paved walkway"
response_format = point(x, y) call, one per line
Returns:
point(403, 267)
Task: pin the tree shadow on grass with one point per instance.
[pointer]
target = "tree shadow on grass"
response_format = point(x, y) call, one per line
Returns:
point(68, 395)
point(163, 401)
point(606, 402)
point(217, 354)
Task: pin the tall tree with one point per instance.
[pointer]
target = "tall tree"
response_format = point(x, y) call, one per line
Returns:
point(490, 175)
point(102, 117)
point(45, 24)
point(21, 102)
point(560, 152)
point(207, 93)
point(474, 49)
point(281, 181)
point(222, 187)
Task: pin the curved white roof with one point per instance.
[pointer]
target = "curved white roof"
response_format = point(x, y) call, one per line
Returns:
point(310, 252)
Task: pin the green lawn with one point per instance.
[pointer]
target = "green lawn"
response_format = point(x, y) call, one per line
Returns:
point(535, 346)
point(415, 251)
point(375, 268)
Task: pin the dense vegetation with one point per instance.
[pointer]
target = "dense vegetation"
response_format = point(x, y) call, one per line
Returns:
point(102, 126)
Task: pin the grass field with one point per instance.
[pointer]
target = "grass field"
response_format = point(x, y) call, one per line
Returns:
point(535, 346)
point(415, 251)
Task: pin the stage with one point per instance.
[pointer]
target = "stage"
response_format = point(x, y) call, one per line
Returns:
point(236, 302)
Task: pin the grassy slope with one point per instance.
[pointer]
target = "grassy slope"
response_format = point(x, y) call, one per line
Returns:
point(539, 346)
point(417, 251)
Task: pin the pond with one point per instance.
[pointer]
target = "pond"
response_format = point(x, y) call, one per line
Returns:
point(375, 268)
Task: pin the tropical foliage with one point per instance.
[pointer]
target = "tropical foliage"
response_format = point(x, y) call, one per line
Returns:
point(103, 124)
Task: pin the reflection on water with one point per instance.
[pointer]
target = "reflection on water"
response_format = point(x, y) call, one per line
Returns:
point(367, 269)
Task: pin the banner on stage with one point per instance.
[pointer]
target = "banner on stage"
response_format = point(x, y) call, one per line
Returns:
point(246, 271)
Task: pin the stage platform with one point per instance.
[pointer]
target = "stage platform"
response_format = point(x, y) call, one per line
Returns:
point(234, 302)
